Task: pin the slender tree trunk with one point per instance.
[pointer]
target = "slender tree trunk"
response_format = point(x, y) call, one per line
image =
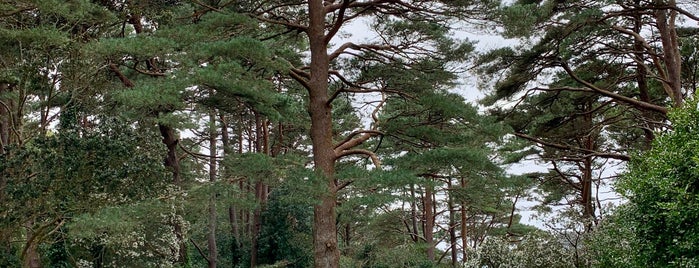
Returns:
point(232, 211)
point(641, 74)
point(464, 225)
point(261, 146)
point(452, 228)
point(4, 121)
point(588, 207)
point(213, 251)
point(429, 222)
point(413, 213)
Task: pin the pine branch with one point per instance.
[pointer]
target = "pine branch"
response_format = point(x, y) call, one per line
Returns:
point(607, 93)
point(370, 154)
point(589, 153)
point(201, 252)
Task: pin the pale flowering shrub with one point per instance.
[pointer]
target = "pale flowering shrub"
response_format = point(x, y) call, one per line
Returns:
point(528, 251)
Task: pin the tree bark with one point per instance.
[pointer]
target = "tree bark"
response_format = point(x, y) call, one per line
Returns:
point(30, 255)
point(452, 228)
point(428, 205)
point(211, 240)
point(464, 225)
point(326, 251)
point(641, 74)
point(233, 220)
point(588, 141)
point(665, 22)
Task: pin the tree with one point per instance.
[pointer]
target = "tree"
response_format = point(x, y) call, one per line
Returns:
point(591, 87)
point(406, 28)
point(661, 188)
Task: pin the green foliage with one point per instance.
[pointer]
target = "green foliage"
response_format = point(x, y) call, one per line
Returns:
point(613, 243)
point(286, 230)
point(661, 186)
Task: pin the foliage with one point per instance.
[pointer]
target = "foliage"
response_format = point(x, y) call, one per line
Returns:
point(529, 251)
point(613, 243)
point(661, 186)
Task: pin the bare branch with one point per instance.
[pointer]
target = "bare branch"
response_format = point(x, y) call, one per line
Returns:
point(370, 154)
point(350, 141)
point(201, 252)
point(350, 45)
point(124, 80)
point(338, 22)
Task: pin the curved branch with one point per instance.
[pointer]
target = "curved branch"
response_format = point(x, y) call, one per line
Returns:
point(621, 98)
point(370, 154)
point(338, 22)
point(569, 148)
point(299, 78)
point(350, 141)
point(291, 25)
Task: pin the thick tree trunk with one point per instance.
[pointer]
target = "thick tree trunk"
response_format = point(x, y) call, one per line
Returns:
point(261, 146)
point(173, 164)
point(326, 251)
point(665, 22)
point(30, 255)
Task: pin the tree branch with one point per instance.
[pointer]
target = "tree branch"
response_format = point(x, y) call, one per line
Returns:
point(201, 252)
point(350, 141)
point(299, 78)
point(291, 25)
point(621, 98)
point(569, 148)
point(338, 22)
point(124, 80)
point(370, 154)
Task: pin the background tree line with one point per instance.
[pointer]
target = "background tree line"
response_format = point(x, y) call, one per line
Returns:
point(166, 133)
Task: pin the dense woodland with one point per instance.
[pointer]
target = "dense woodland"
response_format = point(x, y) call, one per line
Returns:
point(234, 133)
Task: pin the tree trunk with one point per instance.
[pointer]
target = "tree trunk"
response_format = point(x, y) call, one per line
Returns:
point(665, 22)
point(429, 222)
point(452, 228)
point(641, 74)
point(261, 146)
point(326, 251)
point(30, 255)
point(4, 121)
point(588, 207)
point(464, 225)
point(232, 212)
point(213, 251)
point(413, 213)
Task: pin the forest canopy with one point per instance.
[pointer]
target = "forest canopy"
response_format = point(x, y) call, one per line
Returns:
point(210, 133)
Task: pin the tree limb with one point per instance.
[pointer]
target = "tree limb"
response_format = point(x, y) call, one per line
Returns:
point(621, 98)
point(370, 154)
point(350, 141)
point(569, 148)
point(201, 252)
point(338, 22)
